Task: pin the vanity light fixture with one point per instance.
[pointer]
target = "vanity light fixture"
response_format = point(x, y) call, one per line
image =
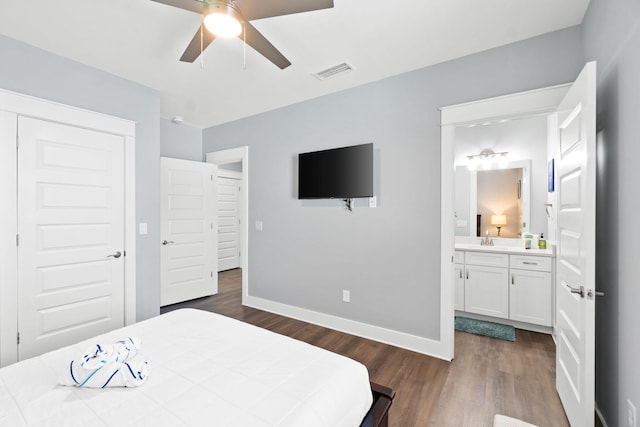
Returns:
point(487, 153)
point(498, 221)
point(486, 157)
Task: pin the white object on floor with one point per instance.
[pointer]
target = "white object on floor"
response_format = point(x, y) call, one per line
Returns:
point(504, 421)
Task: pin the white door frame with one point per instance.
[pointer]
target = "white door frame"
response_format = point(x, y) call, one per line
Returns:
point(12, 105)
point(522, 104)
point(233, 155)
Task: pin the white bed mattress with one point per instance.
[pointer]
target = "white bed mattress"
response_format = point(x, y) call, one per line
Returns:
point(206, 369)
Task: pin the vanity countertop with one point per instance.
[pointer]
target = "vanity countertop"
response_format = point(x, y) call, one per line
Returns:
point(507, 249)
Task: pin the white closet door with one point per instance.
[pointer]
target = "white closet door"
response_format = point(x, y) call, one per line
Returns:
point(71, 234)
point(228, 222)
point(188, 230)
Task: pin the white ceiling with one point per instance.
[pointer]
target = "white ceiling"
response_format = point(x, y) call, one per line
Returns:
point(142, 40)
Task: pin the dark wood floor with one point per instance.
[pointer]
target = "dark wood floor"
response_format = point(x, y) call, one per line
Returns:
point(487, 377)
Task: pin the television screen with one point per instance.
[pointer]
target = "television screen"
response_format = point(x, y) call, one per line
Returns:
point(340, 173)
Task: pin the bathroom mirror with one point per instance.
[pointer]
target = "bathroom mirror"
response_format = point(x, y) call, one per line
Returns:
point(492, 148)
point(495, 198)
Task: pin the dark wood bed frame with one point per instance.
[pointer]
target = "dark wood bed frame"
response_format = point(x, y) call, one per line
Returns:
point(378, 415)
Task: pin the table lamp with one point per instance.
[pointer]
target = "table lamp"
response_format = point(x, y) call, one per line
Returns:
point(498, 221)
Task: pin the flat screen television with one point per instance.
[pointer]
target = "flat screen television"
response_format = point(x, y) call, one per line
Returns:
point(339, 173)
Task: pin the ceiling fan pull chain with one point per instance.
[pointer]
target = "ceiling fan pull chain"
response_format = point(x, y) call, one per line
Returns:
point(202, 44)
point(244, 44)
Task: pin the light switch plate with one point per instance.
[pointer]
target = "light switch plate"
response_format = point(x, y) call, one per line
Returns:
point(142, 228)
point(346, 296)
point(373, 202)
point(259, 225)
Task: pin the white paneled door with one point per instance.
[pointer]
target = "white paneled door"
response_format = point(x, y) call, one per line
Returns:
point(71, 234)
point(188, 230)
point(229, 188)
point(575, 285)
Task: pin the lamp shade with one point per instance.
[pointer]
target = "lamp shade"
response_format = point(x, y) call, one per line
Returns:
point(498, 220)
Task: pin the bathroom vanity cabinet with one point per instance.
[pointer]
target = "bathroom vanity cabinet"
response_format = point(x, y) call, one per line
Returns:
point(514, 288)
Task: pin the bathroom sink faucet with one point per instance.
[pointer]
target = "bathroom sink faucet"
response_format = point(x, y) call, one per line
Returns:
point(486, 241)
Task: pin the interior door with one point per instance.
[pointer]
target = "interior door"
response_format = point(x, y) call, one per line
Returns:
point(71, 234)
point(229, 188)
point(575, 284)
point(188, 230)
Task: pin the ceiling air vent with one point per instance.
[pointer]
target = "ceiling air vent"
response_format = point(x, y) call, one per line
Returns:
point(336, 70)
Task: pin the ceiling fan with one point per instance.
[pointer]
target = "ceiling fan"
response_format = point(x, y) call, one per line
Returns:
point(225, 19)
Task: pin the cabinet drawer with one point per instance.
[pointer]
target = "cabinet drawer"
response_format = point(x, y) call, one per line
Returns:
point(459, 257)
point(487, 258)
point(525, 262)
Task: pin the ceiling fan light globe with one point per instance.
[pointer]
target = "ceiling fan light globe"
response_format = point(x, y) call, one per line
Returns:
point(222, 25)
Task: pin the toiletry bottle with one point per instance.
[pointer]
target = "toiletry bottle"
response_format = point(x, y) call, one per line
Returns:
point(542, 244)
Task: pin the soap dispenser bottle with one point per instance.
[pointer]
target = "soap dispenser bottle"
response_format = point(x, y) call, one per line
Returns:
point(542, 243)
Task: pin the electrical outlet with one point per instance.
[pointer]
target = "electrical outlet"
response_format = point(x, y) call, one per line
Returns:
point(346, 296)
point(631, 415)
point(373, 202)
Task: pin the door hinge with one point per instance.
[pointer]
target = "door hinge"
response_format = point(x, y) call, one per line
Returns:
point(17, 142)
point(239, 188)
point(212, 274)
point(17, 240)
point(211, 177)
point(238, 253)
point(212, 226)
point(124, 253)
point(18, 338)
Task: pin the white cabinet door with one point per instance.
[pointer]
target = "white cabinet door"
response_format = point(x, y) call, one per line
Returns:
point(530, 297)
point(71, 228)
point(459, 287)
point(486, 290)
point(188, 230)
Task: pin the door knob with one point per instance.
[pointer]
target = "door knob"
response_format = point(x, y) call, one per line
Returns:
point(116, 255)
point(579, 291)
point(167, 242)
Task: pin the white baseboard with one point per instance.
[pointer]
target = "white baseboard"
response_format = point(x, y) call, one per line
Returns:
point(415, 343)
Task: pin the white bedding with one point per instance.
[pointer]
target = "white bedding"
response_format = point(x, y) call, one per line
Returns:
point(206, 369)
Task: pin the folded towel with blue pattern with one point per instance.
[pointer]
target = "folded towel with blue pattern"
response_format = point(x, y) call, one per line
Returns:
point(108, 365)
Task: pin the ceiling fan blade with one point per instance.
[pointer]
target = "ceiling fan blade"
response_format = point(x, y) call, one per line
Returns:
point(192, 5)
point(251, 9)
point(264, 46)
point(195, 47)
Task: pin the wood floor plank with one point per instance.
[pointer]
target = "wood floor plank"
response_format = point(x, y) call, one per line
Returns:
point(487, 377)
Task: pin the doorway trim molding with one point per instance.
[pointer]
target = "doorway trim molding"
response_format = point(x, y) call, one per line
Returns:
point(517, 105)
point(233, 155)
point(13, 105)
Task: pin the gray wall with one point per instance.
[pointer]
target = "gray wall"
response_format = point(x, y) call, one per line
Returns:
point(180, 141)
point(611, 32)
point(389, 257)
point(32, 71)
